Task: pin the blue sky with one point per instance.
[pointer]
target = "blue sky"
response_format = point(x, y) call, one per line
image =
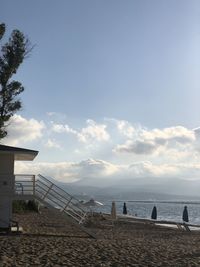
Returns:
point(110, 71)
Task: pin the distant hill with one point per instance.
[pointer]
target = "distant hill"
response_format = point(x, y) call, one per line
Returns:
point(135, 189)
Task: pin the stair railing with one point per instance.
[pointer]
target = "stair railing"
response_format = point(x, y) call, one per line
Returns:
point(46, 191)
point(59, 198)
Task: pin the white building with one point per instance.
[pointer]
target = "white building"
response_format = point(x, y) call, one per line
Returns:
point(8, 155)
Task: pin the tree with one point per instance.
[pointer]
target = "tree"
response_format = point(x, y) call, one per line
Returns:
point(12, 55)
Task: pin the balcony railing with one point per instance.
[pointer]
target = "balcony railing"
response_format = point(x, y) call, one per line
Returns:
point(24, 184)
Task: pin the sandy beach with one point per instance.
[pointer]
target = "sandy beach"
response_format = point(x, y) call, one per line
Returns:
point(49, 240)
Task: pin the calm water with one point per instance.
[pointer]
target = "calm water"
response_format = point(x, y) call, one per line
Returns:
point(165, 211)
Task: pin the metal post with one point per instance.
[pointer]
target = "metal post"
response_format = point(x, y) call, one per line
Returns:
point(34, 185)
point(49, 189)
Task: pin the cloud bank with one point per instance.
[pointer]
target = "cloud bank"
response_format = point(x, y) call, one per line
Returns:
point(22, 130)
point(92, 132)
point(116, 148)
point(150, 141)
point(106, 171)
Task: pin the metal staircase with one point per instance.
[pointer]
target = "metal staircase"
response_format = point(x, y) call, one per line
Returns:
point(52, 196)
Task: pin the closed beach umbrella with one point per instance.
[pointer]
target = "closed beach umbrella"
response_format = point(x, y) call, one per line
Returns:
point(124, 209)
point(113, 211)
point(185, 215)
point(154, 213)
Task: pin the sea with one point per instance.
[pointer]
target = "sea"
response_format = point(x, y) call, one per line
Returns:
point(166, 210)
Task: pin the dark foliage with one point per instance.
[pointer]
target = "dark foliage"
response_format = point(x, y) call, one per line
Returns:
point(12, 55)
point(23, 206)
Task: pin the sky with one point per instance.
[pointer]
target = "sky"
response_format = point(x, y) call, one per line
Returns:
point(112, 88)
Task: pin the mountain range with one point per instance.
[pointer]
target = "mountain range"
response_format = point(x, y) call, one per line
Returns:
point(134, 189)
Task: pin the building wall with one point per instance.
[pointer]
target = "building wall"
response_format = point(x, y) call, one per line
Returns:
point(7, 163)
point(7, 181)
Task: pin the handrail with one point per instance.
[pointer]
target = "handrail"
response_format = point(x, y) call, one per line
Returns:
point(67, 211)
point(44, 187)
point(72, 215)
point(46, 191)
point(22, 181)
point(60, 189)
point(24, 175)
point(56, 186)
point(21, 187)
point(51, 200)
point(63, 204)
point(54, 191)
point(50, 195)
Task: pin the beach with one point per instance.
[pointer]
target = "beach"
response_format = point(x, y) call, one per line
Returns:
point(49, 240)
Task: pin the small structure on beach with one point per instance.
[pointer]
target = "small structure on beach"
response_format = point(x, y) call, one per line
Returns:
point(113, 211)
point(8, 156)
point(154, 213)
point(124, 209)
point(185, 216)
point(33, 187)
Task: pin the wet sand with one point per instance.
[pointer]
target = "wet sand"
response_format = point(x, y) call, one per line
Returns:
point(49, 240)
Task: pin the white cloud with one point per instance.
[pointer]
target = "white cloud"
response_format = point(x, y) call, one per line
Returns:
point(69, 171)
point(197, 135)
point(177, 134)
point(150, 141)
point(197, 132)
point(125, 128)
point(59, 170)
point(60, 128)
point(148, 169)
point(92, 132)
point(106, 171)
point(52, 144)
point(96, 168)
point(21, 130)
point(167, 152)
point(137, 147)
point(51, 113)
